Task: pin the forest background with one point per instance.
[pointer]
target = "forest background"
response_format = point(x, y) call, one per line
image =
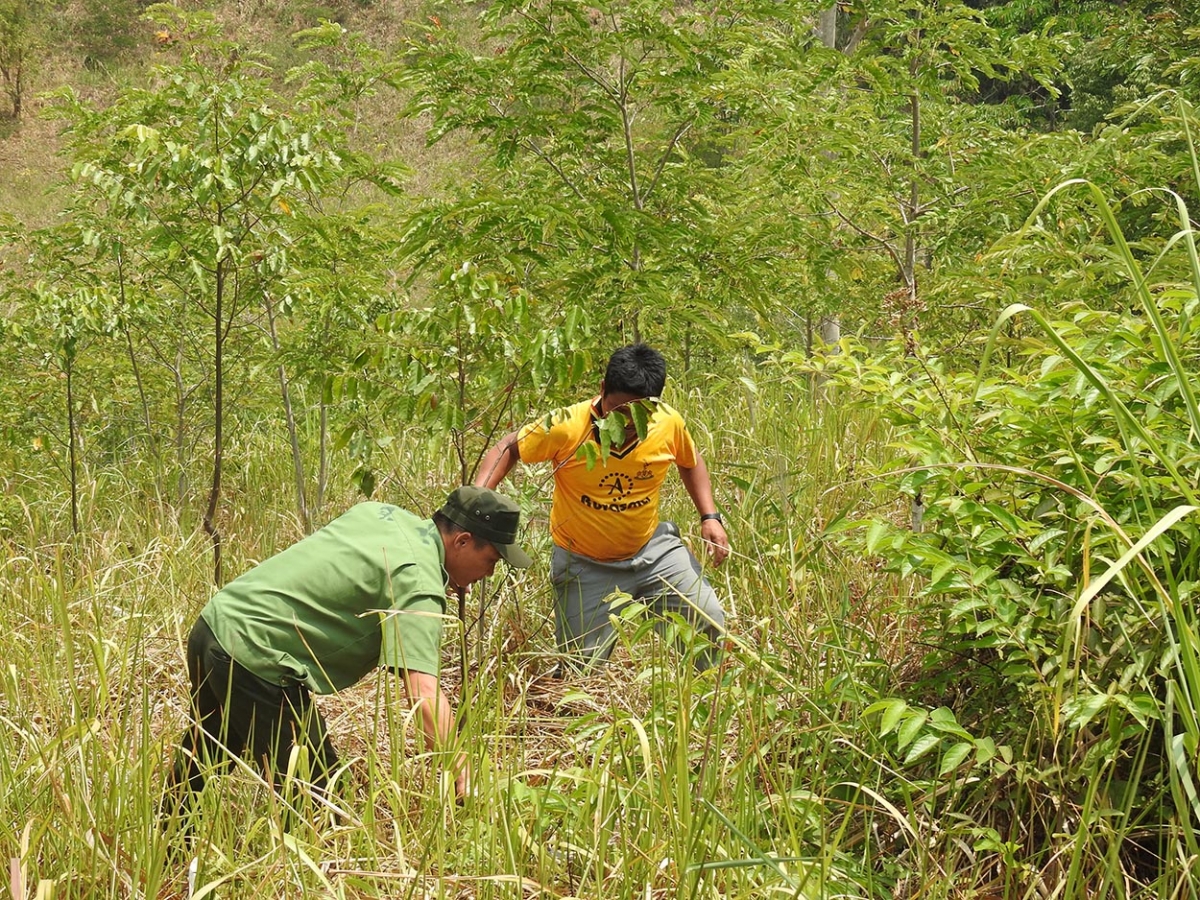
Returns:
point(925, 274)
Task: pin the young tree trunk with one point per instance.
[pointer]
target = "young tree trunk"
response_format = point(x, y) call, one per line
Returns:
point(214, 493)
point(911, 214)
point(285, 391)
point(181, 482)
point(827, 26)
point(829, 326)
point(141, 389)
point(70, 373)
point(151, 440)
point(14, 84)
point(459, 435)
point(830, 329)
point(323, 463)
point(635, 193)
point(914, 201)
point(637, 267)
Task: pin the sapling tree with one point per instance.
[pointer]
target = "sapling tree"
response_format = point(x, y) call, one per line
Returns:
point(473, 361)
point(340, 275)
point(880, 144)
point(61, 319)
point(20, 38)
point(70, 319)
point(608, 167)
point(207, 167)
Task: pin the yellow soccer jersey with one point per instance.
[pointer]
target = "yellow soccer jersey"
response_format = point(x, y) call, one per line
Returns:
point(611, 510)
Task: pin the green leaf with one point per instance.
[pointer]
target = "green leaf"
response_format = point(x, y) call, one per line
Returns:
point(612, 433)
point(589, 452)
point(364, 480)
point(876, 535)
point(344, 437)
point(968, 604)
point(910, 728)
point(641, 411)
point(1005, 517)
point(1078, 712)
point(985, 751)
point(953, 758)
point(922, 746)
point(893, 711)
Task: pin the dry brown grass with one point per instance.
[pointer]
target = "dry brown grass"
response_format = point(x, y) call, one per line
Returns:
point(29, 169)
point(32, 172)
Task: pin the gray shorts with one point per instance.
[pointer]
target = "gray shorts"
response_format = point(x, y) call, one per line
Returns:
point(663, 574)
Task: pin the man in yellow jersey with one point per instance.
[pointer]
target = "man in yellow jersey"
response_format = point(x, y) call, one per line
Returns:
point(604, 519)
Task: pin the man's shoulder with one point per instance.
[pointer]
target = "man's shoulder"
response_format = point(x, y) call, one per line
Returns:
point(378, 532)
point(373, 518)
point(668, 410)
point(572, 412)
point(667, 413)
point(367, 510)
point(575, 415)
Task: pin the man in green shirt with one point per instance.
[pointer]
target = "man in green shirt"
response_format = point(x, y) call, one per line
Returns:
point(367, 590)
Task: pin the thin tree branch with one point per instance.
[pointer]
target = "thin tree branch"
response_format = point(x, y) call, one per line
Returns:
point(553, 165)
point(662, 163)
point(891, 251)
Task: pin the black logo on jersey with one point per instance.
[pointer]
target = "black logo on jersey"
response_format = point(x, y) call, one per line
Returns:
point(615, 506)
point(645, 474)
point(617, 484)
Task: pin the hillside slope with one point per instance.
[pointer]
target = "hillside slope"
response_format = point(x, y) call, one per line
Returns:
point(97, 48)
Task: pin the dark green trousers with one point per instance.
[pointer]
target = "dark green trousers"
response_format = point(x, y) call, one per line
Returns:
point(237, 714)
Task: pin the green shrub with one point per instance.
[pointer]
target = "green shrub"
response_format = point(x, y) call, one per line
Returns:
point(106, 30)
point(1060, 555)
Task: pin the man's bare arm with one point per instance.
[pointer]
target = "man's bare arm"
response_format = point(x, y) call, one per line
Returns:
point(437, 721)
point(498, 462)
point(699, 488)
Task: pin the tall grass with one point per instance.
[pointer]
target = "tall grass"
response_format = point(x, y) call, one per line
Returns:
point(812, 763)
point(641, 779)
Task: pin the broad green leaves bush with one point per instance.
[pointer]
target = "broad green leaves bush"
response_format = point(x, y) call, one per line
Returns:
point(1057, 552)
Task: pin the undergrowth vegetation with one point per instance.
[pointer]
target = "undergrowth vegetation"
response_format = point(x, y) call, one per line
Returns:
point(639, 778)
point(1054, 535)
point(963, 658)
point(1000, 700)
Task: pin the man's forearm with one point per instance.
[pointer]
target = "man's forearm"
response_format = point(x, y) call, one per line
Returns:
point(437, 721)
point(699, 487)
point(498, 462)
point(437, 716)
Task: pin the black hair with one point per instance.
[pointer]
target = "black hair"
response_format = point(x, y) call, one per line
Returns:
point(449, 529)
point(637, 369)
point(444, 525)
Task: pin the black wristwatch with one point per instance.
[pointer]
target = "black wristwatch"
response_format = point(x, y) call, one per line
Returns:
point(717, 516)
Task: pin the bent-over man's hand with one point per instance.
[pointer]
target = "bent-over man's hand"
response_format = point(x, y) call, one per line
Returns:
point(462, 777)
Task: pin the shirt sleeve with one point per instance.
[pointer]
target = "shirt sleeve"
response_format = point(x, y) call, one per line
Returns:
point(683, 447)
point(412, 636)
point(545, 439)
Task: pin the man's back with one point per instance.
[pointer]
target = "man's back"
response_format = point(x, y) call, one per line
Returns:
point(305, 614)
